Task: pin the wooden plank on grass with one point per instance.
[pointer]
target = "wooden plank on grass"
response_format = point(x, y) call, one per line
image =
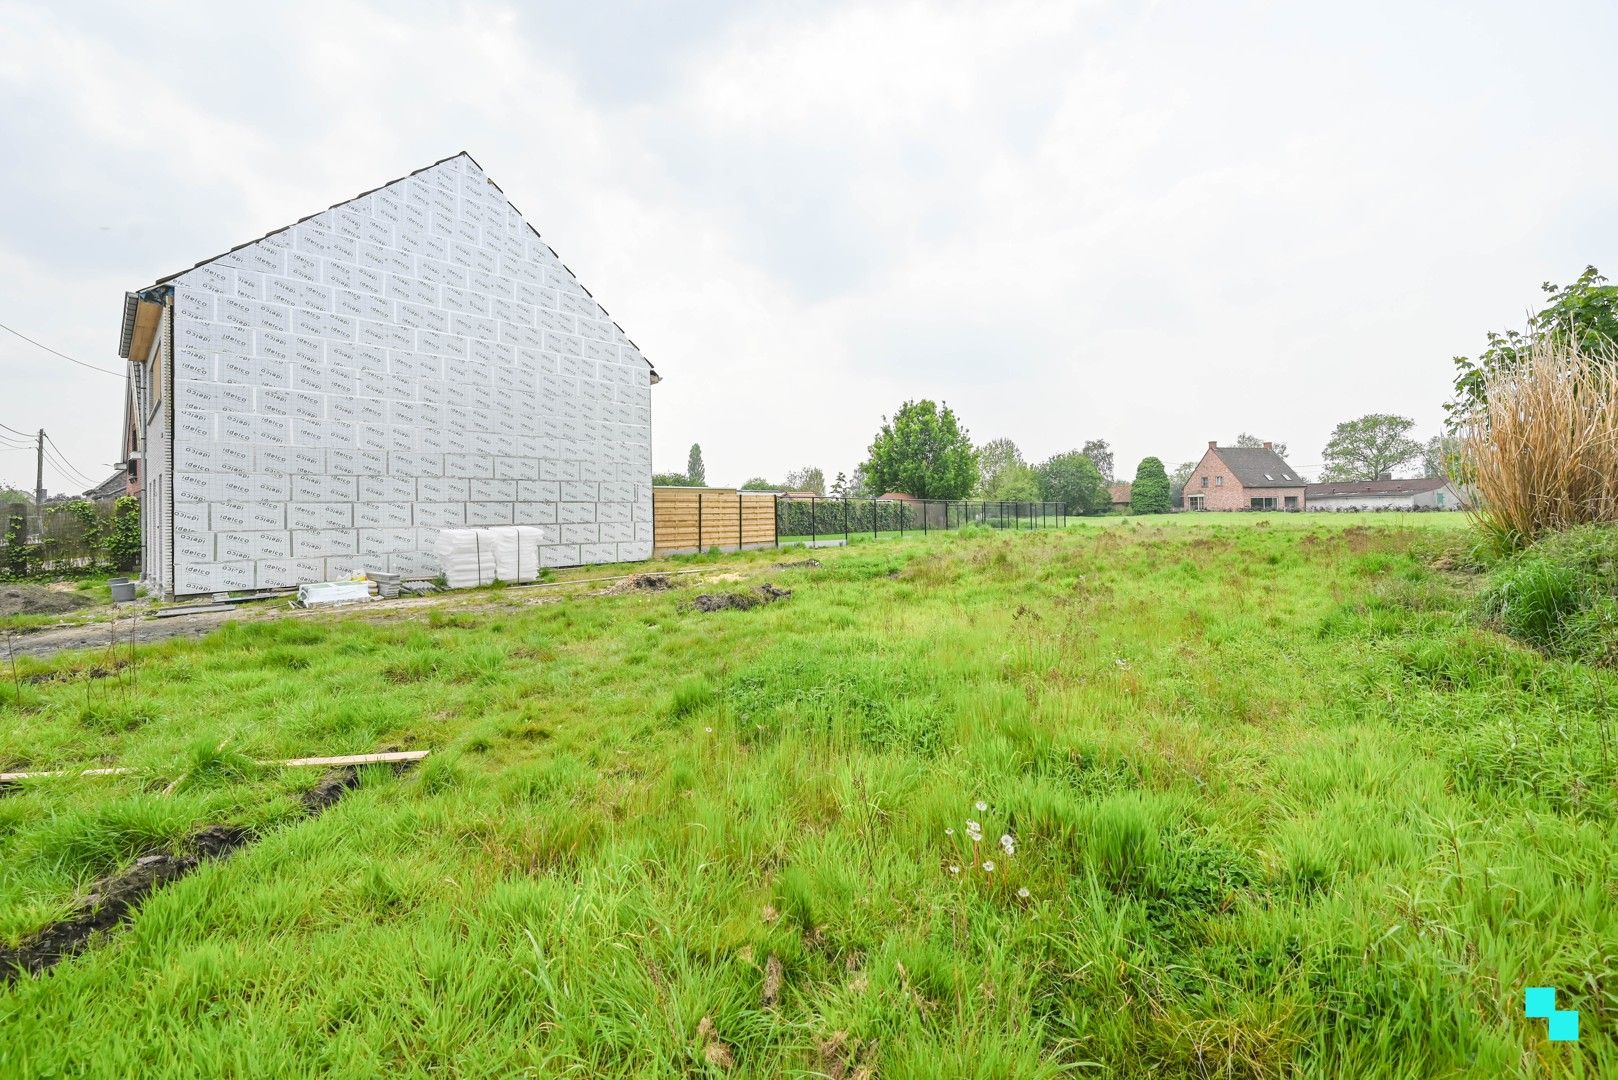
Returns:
point(355, 759)
point(392, 757)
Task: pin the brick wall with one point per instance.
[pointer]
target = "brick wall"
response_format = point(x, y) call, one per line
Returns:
point(1225, 492)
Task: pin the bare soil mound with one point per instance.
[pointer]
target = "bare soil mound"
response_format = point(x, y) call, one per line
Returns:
point(38, 600)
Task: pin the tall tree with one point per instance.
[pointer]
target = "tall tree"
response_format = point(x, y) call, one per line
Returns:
point(995, 456)
point(1182, 472)
point(670, 479)
point(923, 451)
point(859, 484)
point(1073, 480)
point(1149, 494)
point(839, 487)
point(1584, 313)
point(1440, 455)
point(1366, 448)
point(809, 478)
point(758, 483)
point(1254, 442)
point(1100, 454)
point(695, 472)
point(1015, 482)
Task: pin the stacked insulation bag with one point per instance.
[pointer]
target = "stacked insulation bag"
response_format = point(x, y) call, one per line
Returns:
point(471, 557)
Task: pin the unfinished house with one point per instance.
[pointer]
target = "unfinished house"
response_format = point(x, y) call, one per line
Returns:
point(320, 401)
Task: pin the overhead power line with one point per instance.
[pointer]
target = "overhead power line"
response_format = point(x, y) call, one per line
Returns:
point(72, 475)
point(63, 355)
point(50, 442)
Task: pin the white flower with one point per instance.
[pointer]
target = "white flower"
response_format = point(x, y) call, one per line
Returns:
point(1122, 663)
point(982, 806)
point(949, 831)
point(1022, 893)
point(1008, 845)
point(988, 866)
point(709, 730)
point(954, 869)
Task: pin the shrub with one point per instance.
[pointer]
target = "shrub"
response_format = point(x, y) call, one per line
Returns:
point(1561, 594)
point(1150, 492)
point(123, 536)
point(1542, 449)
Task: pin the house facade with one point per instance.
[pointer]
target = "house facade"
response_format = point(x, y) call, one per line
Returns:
point(1419, 494)
point(1243, 478)
point(321, 401)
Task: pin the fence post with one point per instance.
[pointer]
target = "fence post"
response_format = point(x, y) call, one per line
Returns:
point(846, 537)
point(739, 536)
point(925, 506)
point(775, 501)
point(814, 525)
point(699, 523)
point(875, 505)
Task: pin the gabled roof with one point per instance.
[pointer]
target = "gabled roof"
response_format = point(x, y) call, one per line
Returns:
point(1256, 467)
point(129, 302)
point(1119, 491)
point(1349, 488)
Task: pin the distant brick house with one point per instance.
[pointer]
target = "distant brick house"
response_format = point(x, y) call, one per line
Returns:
point(1118, 493)
point(1243, 478)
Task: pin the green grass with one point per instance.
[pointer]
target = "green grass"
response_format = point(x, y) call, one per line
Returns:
point(1280, 804)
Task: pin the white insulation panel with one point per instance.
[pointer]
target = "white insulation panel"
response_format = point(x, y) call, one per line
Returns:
point(414, 360)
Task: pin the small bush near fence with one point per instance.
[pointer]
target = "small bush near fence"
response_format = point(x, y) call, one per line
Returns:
point(70, 539)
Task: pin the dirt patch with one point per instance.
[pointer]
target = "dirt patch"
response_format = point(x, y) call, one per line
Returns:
point(113, 900)
point(740, 601)
point(116, 899)
point(38, 600)
point(643, 583)
point(333, 786)
point(801, 564)
point(42, 643)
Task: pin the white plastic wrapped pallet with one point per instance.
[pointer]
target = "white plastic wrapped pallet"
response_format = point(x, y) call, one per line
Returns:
point(471, 557)
point(529, 539)
point(466, 558)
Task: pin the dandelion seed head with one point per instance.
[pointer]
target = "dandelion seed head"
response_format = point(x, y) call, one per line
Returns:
point(988, 866)
point(949, 831)
point(954, 869)
point(1008, 844)
point(982, 806)
point(1022, 893)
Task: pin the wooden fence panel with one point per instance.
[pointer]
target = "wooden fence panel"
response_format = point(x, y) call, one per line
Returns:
point(692, 519)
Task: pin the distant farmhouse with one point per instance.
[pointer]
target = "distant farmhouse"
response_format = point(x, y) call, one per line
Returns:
point(321, 401)
point(1386, 494)
point(1243, 478)
point(1118, 494)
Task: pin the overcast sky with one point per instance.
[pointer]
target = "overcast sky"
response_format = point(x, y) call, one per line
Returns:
point(1155, 223)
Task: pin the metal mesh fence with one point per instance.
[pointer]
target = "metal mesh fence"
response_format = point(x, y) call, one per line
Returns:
point(808, 519)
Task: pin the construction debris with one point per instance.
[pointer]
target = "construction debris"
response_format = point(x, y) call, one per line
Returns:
point(740, 601)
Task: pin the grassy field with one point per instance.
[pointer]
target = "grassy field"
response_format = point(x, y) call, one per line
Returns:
point(1278, 806)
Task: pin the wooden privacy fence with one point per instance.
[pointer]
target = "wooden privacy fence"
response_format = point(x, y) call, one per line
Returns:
point(686, 519)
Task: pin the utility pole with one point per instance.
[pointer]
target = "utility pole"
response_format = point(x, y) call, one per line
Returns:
point(39, 475)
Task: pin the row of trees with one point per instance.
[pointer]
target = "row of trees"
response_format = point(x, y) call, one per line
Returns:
point(923, 450)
